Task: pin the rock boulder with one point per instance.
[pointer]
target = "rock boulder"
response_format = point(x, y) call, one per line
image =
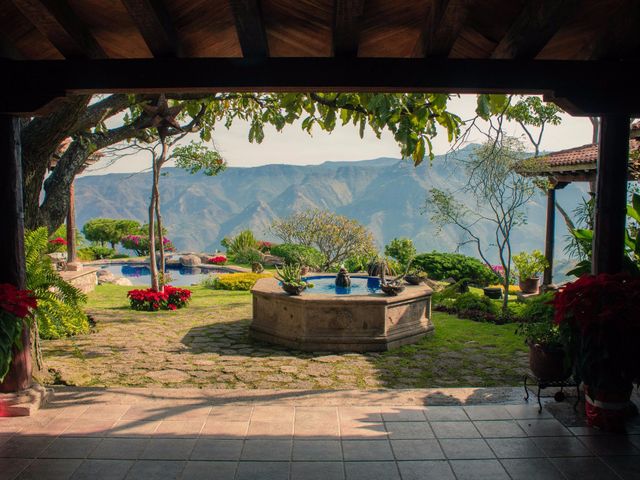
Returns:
point(190, 260)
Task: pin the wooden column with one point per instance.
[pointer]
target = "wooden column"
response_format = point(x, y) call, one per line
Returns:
point(71, 226)
point(611, 195)
point(549, 242)
point(12, 263)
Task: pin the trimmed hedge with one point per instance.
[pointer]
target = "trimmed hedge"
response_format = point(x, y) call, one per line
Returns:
point(236, 281)
point(292, 253)
point(440, 266)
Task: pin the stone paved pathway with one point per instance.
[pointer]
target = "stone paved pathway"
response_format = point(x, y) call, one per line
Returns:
point(208, 345)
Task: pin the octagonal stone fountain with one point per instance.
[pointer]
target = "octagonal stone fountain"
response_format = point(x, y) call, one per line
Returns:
point(328, 318)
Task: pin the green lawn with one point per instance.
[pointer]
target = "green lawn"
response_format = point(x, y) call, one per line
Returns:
point(207, 345)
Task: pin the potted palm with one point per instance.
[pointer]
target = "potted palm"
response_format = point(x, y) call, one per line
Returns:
point(549, 358)
point(601, 312)
point(291, 278)
point(529, 267)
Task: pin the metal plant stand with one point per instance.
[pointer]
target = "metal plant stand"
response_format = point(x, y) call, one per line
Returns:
point(558, 396)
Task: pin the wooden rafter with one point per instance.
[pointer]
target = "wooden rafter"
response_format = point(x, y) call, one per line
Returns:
point(619, 38)
point(250, 28)
point(534, 27)
point(445, 20)
point(346, 27)
point(57, 21)
point(154, 22)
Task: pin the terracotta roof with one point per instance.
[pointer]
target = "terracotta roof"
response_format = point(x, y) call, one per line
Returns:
point(576, 159)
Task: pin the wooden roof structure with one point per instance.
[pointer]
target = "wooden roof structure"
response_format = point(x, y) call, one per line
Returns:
point(569, 50)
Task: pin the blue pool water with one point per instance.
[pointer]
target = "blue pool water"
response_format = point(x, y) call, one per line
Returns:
point(180, 276)
point(359, 286)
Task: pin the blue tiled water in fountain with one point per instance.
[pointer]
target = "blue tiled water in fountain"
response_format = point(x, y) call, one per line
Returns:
point(360, 285)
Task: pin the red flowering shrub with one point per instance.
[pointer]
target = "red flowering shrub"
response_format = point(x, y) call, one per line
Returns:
point(264, 246)
point(171, 298)
point(218, 260)
point(601, 314)
point(15, 306)
point(600, 300)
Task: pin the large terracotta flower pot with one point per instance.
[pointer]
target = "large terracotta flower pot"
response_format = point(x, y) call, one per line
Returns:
point(548, 364)
point(529, 285)
point(608, 410)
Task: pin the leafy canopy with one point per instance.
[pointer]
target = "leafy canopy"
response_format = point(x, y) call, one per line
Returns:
point(335, 236)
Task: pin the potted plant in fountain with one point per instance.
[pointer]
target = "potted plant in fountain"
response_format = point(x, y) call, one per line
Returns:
point(549, 358)
point(529, 267)
point(601, 312)
point(291, 278)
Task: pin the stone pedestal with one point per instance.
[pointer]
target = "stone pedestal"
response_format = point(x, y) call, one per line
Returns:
point(25, 402)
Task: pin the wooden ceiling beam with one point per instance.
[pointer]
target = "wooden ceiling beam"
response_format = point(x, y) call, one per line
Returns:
point(155, 25)
point(445, 20)
point(619, 39)
point(575, 85)
point(58, 22)
point(346, 27)
point(534, 27)
point(250, 28)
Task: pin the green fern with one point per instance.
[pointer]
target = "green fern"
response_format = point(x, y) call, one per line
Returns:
point(59, 310)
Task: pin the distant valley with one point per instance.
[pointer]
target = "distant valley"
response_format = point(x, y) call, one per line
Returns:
point(385, 194)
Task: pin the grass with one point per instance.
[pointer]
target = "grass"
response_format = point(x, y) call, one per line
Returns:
point(207, 345)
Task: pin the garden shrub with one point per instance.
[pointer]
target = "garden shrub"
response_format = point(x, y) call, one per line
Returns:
point(538, 308)
point(247, 255)
point(472, 302)
point(217, 260)
point(440, 266)
point(96, 252)
point(236, 281)
point(242, 242)
point(292, 253)
point(59, 311)
point(400, 249)
point(148, 300)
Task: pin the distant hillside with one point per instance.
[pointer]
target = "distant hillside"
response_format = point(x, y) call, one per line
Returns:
point(385, 194)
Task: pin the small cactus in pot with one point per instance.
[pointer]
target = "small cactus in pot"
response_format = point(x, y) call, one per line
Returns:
point(291, 278)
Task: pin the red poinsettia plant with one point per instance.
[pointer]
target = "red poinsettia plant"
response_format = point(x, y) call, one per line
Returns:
point(149, 300)
point(16, 306)
point(601, 313)
point(218, 260)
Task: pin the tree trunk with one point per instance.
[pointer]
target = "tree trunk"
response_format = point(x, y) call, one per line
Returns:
point(71, 227)
point(153, 265)
point(163, 159)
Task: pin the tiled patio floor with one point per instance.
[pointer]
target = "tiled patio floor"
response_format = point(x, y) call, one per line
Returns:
point(200, 434)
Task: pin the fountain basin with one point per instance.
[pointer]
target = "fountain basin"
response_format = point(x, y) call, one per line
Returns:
point(341, 322)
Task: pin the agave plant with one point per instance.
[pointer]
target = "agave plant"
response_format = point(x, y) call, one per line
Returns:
point(291, 274)
point(58, 313)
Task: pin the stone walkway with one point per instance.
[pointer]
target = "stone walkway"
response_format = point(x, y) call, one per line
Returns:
point(208, 345)
point(385, 435)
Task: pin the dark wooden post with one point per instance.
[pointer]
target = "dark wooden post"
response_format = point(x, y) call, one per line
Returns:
point(549, 242)
point(611, 195)
point(71, 226)
point(12, 265)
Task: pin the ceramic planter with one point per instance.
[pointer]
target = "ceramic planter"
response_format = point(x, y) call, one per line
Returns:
point(413, 279)
point(529, 285)
point(493, 292)
point(548, 363)
point(293, 289)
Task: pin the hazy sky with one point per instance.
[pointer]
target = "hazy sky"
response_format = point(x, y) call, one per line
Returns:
point(293, 146)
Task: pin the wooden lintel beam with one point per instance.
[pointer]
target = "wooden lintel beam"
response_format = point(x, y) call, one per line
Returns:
point(445, 20)
point(346, 27)
point(534, 27)
point(581, 82)
point(155, 25)
point(57, 21)
point(250, 28)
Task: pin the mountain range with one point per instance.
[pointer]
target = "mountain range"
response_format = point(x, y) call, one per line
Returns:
point(388, 195)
